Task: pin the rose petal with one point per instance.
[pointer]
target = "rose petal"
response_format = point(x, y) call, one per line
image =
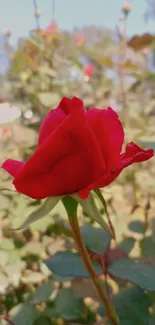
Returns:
point(56, 116)
point(50, 123)
point(84, 193)
point(13, 167)
point(109, 133)
point(65, 162)
point(133, 154)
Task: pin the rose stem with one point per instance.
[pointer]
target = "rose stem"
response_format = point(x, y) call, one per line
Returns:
point(99, 194)
point(111, 314)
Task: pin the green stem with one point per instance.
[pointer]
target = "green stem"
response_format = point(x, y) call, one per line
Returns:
point(146, 215)
point(36, 17)
point(99, 194)
point(53, 10)
point(110, 311)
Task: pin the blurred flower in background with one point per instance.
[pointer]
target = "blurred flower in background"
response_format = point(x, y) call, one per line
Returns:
point(126, 7)
point(88, 70)
point(79, 38)
point(8, 113)
point(37, 13)
point(50, 28)
point(8, 33)
point(3, 132)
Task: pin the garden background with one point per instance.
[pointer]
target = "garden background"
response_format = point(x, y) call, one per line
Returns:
point(104, 53)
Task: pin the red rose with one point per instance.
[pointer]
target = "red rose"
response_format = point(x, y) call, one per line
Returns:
point(77, 151)
point(88, 70)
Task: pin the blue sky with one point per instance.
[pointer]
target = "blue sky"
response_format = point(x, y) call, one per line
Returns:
point(17, 15)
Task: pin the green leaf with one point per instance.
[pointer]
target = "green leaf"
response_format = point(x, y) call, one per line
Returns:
point(43, 320)
point(77, 62)
point(3, 258)
point(7, 244)
point(46, 208)
point(4, 283)
point(127, 244)
point(13, 255)
point(34, 277)
point(46, 70)
point(137, 226)
point(4, 202)
point(70, 205)
point(151, 320)
point(91, 209)
point(147, 246)
point(32, 248)
point(14, 271)
point(34, 42)
point(68, 306)
point(23, 314)
point(50, 311)
point(44, 269)
point(132, 307)
point(70, 265)
point(42, 293)
point(153, 236)
point(96, 240)
point(141, 274)
point(49, 98)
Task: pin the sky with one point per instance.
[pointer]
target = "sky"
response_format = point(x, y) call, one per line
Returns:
point(17, 15)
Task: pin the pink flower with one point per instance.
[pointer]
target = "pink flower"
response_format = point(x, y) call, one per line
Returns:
point(8, 33)
point(79, 39)
point(50, 28)
point(88, 70)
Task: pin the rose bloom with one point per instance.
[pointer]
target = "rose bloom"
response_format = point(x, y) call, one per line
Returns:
point(50, 28)
point(127, 7)
point(77, 151)
point(8, 33)
point(79, 39)
point(88, 70)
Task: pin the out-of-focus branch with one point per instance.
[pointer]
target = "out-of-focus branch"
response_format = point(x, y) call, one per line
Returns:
point(53, 10)
point(122, 54)
point(36, 14)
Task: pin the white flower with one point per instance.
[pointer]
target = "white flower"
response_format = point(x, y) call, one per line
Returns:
point(28, 114)
point(8, 113)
